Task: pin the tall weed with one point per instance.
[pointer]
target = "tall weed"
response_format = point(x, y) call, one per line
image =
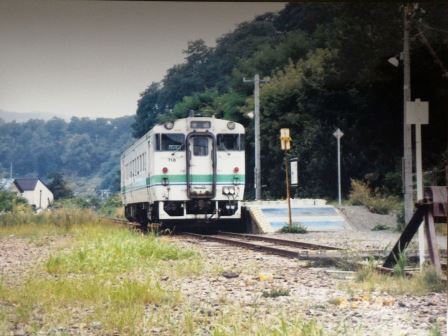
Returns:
point(361, 194)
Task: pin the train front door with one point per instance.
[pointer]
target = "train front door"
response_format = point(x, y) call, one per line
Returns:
point(201, 165)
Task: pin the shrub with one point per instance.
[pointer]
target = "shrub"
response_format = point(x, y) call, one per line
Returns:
point(361, 194)
point(9, 201)
point(111, 205)
point(295, 228)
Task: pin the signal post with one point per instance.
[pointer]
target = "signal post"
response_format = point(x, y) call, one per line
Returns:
point(285, 140)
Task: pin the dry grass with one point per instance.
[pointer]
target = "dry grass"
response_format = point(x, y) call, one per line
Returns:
point(369, 280)
point(229, 320)
point(442, 229)
point(361, 194)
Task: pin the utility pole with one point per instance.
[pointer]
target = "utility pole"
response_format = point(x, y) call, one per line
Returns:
point(257, 169)
point(338, 135)
point(407, 128)
point(417, 113)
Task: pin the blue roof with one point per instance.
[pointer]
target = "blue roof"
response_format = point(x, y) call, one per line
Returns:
point(24, 184)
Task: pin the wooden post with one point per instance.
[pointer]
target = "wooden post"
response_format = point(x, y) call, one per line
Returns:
point(433, 246)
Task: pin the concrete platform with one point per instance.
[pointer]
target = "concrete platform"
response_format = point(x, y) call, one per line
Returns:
point(314, 214)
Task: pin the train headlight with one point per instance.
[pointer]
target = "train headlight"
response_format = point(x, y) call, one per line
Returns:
point(169, 125)
point(225, 190)
point(231, 125)
point(231, 190)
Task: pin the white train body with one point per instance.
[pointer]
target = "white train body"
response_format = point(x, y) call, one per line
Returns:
point(190, 169)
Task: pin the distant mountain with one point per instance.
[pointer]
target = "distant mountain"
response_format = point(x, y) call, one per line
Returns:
point(23, 117)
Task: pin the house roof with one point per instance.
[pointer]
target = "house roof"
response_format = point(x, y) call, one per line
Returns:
point(24, 184)
point(5, 183)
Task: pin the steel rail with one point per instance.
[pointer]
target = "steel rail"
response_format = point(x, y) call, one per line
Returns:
point(280, 241)
point(303, 255)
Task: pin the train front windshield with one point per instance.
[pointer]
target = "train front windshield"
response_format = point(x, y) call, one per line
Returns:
point(230, 142)
point(170, 142)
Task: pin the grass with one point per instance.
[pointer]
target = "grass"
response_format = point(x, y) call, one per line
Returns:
point(275, 292)
point(295, 228)
point(107, 277)
point(380, 227)
point(57, 217)
point(233, 320)
point(113, 251)
point(441, 229)
point(401, 263)
point(369, 280)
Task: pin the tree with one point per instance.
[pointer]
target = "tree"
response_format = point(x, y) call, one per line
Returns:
point(59, 187)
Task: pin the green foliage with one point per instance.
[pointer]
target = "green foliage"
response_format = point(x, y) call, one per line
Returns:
point(110, 206)
point(402, 262)
point(380, 227)
point(77, 203)
point(80, 148)
point(295, 228)
point(401, 224)
point(59, 187)
point(435, 331)
point(322, 77)
point(113, 250)
point(10, 202)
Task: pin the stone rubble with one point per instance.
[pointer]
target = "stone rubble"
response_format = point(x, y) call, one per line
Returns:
point(311, 292)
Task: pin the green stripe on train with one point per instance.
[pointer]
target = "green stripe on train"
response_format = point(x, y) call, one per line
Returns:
point(182, 178)
point(195, 178)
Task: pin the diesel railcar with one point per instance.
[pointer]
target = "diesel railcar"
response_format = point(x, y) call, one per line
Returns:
point(190, 171)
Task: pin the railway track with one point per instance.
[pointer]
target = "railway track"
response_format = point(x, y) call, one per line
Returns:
point(322, 254)
point(276, 246)
point(283, 247)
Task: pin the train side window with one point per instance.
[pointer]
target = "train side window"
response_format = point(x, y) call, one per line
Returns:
point(138, 165)
point(227, 142)
point(200, 146)
point(172, 142)
point(157, 142)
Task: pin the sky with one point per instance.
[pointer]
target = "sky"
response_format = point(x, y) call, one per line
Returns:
point(93, 59)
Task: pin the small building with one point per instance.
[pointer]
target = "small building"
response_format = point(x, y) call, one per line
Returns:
point(35, 192)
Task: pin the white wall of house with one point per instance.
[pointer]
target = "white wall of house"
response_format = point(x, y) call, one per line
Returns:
point(41, 197)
